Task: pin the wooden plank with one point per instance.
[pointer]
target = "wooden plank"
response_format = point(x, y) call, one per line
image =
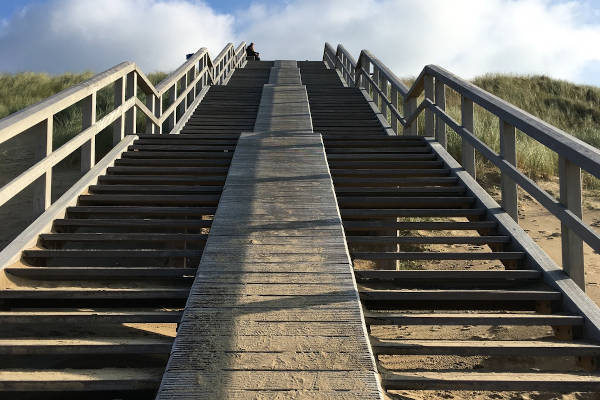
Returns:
point(495, 381)
point(506, 348)
point(497, 319)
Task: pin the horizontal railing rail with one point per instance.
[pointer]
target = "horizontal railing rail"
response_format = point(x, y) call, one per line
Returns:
point(574, 155)
point(162, 107)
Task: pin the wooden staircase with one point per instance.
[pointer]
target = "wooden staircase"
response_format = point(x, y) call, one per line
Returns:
point(450, 302)
point(95, 306)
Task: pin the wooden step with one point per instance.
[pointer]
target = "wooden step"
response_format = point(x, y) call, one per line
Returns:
point(180, 155)
point(87, 346)
point(54, 238)
point(391, 181)
point(155, 189)
point(389, 173)
point(343, 192)
point(478, 240)
point(410, 212)
point(174, 162)
point(495, 381)
point(60, 224)
point(452, 226)
point(507, 348)
point(444, 276)
point(96, 293)
point(162, 179)
point(425, 255)
point(140, 211)
point(103, 273)
point(494, 319)
point(141, 199)
point(167, 170)
point(404, 202)
point(110, 253)
point(495, 295)
point(103, 379)
point(86, 317)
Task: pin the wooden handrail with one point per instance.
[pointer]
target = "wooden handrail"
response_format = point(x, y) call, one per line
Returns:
point(573, 153)
point(182, 87)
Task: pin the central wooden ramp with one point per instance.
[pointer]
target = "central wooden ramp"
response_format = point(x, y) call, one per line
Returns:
point(274, 312)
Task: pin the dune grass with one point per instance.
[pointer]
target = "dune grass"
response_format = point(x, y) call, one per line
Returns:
point(573, 108)
point(18, 91)
point(570, 107)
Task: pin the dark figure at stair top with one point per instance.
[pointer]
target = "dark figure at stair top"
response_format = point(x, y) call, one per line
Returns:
point(251, 54)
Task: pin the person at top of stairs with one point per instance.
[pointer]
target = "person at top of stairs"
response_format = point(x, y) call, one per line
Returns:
point(251, 54)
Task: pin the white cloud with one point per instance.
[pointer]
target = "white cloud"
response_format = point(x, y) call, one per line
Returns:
point(75, 35)
point(468, 37)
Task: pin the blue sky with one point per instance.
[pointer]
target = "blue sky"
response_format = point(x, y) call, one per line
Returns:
point(552, 37)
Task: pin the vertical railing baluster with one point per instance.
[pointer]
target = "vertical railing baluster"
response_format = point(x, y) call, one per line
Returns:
point(171, 117)
point(383, 85)
point(394, 96)
point(375, 96)
point(508, 151)
point(119, 124)
point(150, 105)
point(42, 187)
point(468, 152)
point(130, 115)
point(570, 196)
point(440, 125)
point(409, 106)
point(88, 149)
point(429, 116)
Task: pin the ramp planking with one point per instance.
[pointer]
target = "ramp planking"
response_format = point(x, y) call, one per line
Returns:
point(274, 309)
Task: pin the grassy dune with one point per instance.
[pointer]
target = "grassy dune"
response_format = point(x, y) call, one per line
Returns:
point(18, 91)
point(572, 108)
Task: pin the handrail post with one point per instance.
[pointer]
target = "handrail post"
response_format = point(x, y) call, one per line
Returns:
point(130, 115)
point(508, 151)
point(440, 125)
point(468, 152)
point(394, 119)
point(409, 107)
point(42, 195)
point(150, 105)
point(375, 95)
point(383, 85)
point(119, 124)
point(88, 149)
point(171, 117)
point(429, 116)
point(570, 196)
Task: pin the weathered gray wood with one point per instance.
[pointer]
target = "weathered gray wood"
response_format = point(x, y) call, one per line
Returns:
point(440, 101)
point(467, 151)
point(42, 196)
point(88, 150)
point(570, 197)
point(429, 115)
point(119, 124)
point(508, 151)
point(277, 217)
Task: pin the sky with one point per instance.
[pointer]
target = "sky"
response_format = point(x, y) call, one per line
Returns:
point(558, 38)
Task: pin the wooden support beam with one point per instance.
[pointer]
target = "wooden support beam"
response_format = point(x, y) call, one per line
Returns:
point(410, 105)
point(440, 125)
point(119, 124)
point(42, 195)
point(130, 115)
point(394, 98)
point(429, 116)
point(88, 150)
point(570, 197)
point(508, 151)
point(468, 152)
